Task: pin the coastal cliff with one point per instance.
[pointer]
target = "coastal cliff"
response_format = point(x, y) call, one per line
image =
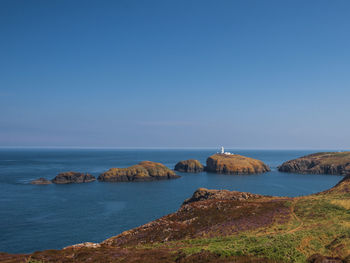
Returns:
point(144, 171)
point(189, 166)
point(235, 164)
point(319, 163)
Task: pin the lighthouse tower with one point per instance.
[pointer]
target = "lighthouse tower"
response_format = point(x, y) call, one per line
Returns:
point(223, 151)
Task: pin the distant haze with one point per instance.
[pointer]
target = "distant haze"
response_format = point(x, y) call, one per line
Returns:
point(243, 74)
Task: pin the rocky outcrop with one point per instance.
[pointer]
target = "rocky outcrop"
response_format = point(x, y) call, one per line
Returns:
point(189, 166)
point(202, 194)
point(41, 181)
point(84, 245)
point(144, 171)
point(73, 177)
point(319, 163)
point(235, 164)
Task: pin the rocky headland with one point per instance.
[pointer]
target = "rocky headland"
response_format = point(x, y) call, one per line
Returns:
point(235, 164)
point(228, 226)
point(202, 194)
point(73, 178)
point(144, 171)
point(319, 163)
point(189, 166)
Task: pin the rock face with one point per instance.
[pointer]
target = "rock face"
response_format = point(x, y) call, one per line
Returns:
point(202, 194)
point(144, 171)
point(73, 177)
point(41, 181)
point(319, 163)
point(235, 164)
point(189, 166)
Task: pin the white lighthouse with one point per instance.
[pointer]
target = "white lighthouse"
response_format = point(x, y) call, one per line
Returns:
point(223, 151)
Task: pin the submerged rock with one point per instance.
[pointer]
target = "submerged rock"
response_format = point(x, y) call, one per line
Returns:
point(41, 181)
point(319, 163)
point(189, 166)
point(144, 171)
point(73, 177)
point(235, 164)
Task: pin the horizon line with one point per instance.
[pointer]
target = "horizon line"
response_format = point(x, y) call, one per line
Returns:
point(163, 147)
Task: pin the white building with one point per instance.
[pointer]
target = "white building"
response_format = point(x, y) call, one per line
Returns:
point(223, 151)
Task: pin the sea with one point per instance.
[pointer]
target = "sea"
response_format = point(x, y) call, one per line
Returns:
point(39, 217)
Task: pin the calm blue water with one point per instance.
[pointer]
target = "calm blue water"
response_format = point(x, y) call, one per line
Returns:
point(38, 217)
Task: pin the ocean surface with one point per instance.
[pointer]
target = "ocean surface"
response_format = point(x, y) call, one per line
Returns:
point(38, 217)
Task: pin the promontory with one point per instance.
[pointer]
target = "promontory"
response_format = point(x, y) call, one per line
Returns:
point(235, 164)
point(144, 171)
point(189, 166)
point(319, 163)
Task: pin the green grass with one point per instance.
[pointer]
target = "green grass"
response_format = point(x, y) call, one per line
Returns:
point(319, 228)
point(276, 247)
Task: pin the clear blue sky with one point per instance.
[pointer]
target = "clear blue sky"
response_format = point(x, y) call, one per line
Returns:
point(244, 74)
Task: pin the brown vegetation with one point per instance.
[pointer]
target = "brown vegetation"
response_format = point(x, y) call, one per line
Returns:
point(144, 171)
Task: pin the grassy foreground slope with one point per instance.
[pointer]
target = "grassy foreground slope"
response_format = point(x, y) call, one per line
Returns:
point(226, 226)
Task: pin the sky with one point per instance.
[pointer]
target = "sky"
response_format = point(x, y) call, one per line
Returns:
point(247, 74)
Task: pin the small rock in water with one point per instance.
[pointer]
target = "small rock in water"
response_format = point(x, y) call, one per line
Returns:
point(73, 177)
point(41, 181)
point(189, 166)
